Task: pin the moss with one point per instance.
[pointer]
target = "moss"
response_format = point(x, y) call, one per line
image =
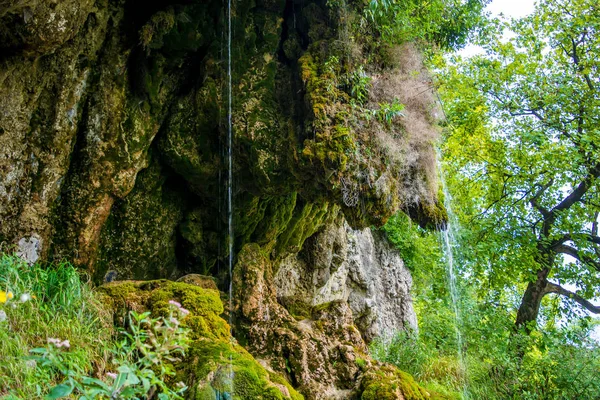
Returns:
point(429, 215)
point(223, 367)
point(389, 383)
point(307, 219)
point(298, 309)
point(265, 219)
point(204, 305)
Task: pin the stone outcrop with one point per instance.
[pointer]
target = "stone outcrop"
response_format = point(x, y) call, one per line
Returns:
point(113, 125)
point(356, 267)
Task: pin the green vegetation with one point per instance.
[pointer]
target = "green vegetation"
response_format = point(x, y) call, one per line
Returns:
point(522, 161)
point(561, 362)
point(526, 176)
point(57, 340)
point(50, 302)
point(142, 360)
point(56, 335)
point(444, 22)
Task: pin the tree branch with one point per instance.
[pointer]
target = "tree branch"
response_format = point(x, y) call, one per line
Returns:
point(579, 191)
point(575, 253)
point(554, 288)
point(534, 200)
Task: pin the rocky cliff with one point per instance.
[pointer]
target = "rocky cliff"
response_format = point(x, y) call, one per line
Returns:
point(113, 123)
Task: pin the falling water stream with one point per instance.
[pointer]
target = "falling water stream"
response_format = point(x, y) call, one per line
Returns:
point(449, 243)
point(230, 183)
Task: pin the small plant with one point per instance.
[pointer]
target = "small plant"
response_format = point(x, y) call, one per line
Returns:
point(359, 83)
point(143, 361)
point(387, 112)
point(331, 68)
point(361, 363)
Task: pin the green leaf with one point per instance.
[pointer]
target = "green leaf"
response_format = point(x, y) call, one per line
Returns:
point(59, 391)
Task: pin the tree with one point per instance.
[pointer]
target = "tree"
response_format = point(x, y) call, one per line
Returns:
point(523, 154)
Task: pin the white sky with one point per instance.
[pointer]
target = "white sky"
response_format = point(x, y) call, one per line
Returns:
point(511, 8)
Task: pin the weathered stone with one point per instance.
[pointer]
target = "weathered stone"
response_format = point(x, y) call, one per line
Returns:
point(40, 26)
point(316, 352)
point(358, 267)
point(29, 249)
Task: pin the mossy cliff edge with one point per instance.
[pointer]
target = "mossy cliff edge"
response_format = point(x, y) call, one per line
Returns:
point(113, 120)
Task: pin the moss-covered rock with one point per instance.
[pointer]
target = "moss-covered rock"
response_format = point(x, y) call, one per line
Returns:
point(384, 382)
point(215, 366)
point(204, 304)
point(229, 371)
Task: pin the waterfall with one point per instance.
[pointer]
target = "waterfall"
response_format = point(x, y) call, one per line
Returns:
point(230, 182)
point(449, 242)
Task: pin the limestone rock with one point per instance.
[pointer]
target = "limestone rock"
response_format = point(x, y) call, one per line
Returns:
point(358, 267)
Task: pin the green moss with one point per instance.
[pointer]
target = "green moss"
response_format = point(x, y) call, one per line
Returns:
point(429, 215)
point(204, 305)
point(269, 219)
point(389, 383)
point(222, 367)
point(307, 219)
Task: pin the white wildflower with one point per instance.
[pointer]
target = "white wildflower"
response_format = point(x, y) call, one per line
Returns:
point(25, 297)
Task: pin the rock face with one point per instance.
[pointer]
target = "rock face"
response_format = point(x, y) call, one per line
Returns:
point(313, 321)
point(113, 125)
point(356, 267)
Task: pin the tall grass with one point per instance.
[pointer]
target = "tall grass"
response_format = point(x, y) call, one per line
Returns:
point(61, 305)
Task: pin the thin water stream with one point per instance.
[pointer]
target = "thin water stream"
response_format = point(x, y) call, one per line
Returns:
point(230, 231)
point(449, 242)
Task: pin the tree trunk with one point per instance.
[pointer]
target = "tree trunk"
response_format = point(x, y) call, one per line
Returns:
point(530, 303)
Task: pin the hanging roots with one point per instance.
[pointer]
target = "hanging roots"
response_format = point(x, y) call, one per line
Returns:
point(350, 192)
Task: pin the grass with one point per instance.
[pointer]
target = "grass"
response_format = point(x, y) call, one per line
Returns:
point(63, 306)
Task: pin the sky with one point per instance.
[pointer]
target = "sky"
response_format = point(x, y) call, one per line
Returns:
point(511, 8)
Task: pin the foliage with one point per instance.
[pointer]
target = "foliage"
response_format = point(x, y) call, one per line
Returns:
point(523, 161)
point(48, 302)
point(142, 358)
point(359, 83)
point(558, 364)
point(387, 112)
point(419, 248)
point(51, 310)
point(445, 22)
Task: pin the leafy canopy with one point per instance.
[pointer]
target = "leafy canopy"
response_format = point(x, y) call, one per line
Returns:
point(522, 154)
